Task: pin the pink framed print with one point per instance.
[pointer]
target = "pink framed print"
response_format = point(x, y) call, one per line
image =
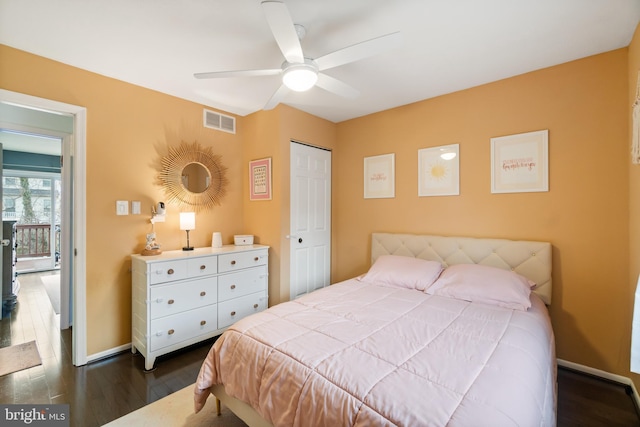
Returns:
point(260, 179)
point(520, 163)
point(379, 176)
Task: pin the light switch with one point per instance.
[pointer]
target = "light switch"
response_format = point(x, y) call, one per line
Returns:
point(122, 207)
point(135, 207)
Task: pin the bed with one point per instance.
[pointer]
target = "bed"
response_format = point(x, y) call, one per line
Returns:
point(410, 342)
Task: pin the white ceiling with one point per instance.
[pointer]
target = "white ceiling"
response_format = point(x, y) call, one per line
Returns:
point(448, 45)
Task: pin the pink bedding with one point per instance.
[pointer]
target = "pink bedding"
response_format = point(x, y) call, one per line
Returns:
point(360, 354)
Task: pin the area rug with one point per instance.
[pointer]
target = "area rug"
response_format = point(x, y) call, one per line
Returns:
point(18, 357)
point(177, 410)
point(52, 286)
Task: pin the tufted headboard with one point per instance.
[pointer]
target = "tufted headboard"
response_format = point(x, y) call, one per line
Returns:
point(530, 259)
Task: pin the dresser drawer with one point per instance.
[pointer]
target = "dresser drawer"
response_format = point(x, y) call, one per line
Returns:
point(160, 272)
point(233, 310)
point(241, 283)
point(171, 299)
point(240, 260)
point(171, 330)
point(204, 266)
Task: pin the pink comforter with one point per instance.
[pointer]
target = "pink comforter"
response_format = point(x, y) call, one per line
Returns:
point(366, 355)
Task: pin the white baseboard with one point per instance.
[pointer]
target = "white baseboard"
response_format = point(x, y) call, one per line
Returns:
point(108, 353)
point(603, 374)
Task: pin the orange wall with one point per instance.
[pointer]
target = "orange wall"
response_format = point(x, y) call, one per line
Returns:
point(583, 104)
point(634, 198)
point(128, 130)
point(269, 135)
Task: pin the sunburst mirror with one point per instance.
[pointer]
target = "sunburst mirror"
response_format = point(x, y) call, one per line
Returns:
point(193, 176)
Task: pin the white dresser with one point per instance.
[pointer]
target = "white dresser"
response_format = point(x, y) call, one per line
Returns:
point(182, 297)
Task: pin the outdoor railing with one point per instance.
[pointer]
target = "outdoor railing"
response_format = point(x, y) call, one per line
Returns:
point(33, 240)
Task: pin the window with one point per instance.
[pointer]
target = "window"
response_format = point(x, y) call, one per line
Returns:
point(10, 181)
point(8, 204)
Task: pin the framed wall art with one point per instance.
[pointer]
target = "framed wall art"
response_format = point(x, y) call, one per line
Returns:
point(520, 163)
point(379, 176)
point(439, 171)
point(260, 179)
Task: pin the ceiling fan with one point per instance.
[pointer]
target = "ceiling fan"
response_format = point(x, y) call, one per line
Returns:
point(298, 72)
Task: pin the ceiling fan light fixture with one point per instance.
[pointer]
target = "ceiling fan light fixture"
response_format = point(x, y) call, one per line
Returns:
point(300, 77)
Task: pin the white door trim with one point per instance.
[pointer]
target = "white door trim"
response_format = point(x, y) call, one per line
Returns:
point(78, 251)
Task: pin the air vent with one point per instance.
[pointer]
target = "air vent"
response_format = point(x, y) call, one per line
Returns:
point(213, 120)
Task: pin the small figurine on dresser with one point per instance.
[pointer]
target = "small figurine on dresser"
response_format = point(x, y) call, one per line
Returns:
point(152, 246)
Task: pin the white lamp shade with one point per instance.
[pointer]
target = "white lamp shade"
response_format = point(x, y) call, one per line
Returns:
point(187, 220)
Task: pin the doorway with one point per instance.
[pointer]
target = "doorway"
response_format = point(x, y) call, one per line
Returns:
point(310, 233)
point(73, 181)
point(32, 202)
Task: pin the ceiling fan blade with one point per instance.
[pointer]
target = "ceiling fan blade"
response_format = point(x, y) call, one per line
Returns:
point(276, 97)
point(283, 30)
point(336, 86)
point(238, 73)
point(359, 51)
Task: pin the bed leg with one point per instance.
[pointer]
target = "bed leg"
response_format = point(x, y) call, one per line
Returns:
point(218, 410)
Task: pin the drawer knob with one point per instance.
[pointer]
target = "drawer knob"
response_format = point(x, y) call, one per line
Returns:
point(233, 313)
point(203, 293)
point(203, 322)
point(233, 286)
point(170, 301)
point(171, 332)
point(233, 262)
point(170, 271)
point(203, 267)
point(256, 259)
point(255, 305)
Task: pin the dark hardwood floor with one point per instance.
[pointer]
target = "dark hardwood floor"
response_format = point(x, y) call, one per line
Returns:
point(108, 389)
point(98, 392)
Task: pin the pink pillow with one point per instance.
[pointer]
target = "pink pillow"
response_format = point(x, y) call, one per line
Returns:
point(403, 272)
point(481, 283)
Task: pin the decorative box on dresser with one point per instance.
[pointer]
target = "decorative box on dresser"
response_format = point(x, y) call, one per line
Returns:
point(180, 297)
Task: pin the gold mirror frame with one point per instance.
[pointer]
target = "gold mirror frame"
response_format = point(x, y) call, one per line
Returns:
point(171, 176)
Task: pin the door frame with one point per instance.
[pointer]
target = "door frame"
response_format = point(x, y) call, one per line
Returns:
point(76, 146)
